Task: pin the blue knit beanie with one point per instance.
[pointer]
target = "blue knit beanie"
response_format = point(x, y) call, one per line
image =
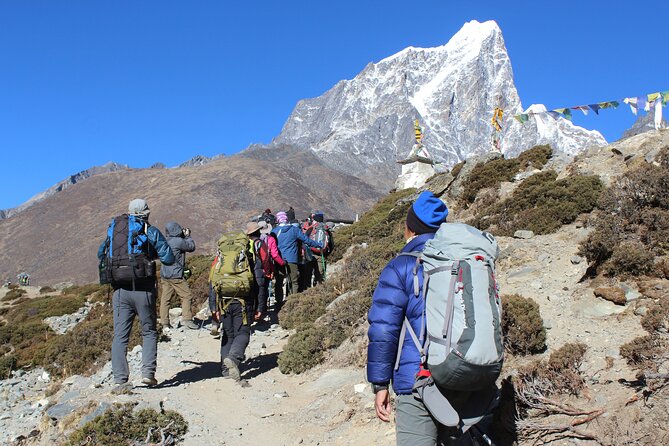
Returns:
point(430, 210)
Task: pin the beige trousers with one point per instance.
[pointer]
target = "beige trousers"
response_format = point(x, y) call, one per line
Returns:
point(168, 290)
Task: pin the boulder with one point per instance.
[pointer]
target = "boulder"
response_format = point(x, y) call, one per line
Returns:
point(612, 294)
point(523, 234)
point(59, 411)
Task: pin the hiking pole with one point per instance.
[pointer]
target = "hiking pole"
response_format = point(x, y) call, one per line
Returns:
point(199, 330)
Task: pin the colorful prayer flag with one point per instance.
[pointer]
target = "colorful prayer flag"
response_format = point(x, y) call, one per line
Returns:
point(595, 108)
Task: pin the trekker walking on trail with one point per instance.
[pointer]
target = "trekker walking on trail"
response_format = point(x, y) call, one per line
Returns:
point(262, 266)
point(232, 278)
point(129, 253)
point(425, 410)
point(288, 237)
point(275, 262)
point(320, 232)
point(172, 280)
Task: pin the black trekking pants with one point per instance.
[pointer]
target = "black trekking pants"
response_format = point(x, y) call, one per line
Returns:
point(236, 331)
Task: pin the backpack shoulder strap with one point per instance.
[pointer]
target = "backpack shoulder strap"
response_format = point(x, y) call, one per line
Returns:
point(418, 255)
point(422, 348)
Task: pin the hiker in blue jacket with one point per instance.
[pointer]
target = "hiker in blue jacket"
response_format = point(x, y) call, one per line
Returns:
point(288, 237)
point(393, 300)
point(137, 295)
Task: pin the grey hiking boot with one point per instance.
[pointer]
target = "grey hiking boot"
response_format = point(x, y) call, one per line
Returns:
point(192, 325)
point(233, 369)
point(150, 381)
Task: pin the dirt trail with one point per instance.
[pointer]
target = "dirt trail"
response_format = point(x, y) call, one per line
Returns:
point(321, 407)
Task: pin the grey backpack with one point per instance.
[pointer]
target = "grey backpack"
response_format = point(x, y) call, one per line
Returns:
point(460, 340)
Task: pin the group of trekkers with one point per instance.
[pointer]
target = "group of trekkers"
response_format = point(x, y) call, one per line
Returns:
point(434, 332)
point(277, 249)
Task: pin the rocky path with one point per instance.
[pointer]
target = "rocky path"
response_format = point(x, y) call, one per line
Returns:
point(320, 407)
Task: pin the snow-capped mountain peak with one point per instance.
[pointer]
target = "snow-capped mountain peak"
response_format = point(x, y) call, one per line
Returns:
point(364, 125)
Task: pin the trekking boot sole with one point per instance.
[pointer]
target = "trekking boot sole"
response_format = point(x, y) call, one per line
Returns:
point(150, 381)
point(233, 369)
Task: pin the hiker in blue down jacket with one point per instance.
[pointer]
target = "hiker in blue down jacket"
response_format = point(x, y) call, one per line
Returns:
point(288, 236)
point(393, 300)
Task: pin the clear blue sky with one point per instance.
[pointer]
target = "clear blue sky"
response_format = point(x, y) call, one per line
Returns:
point(85, 82)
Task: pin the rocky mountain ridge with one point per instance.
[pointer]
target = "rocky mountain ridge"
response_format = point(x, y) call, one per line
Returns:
point(62, 185)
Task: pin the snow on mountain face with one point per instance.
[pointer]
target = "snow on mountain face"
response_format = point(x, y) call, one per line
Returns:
point(362, 126)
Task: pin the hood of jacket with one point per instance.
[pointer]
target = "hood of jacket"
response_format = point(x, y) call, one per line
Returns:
point(173, 229)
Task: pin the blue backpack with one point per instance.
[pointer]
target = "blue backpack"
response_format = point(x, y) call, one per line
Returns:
point(128, 253)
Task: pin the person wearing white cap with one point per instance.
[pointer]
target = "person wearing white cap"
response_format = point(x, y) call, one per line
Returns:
point(127, 257)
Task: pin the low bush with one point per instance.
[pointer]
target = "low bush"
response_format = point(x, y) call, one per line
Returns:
point(630, 259)
point(541, 204)
point(13, 294)
point(46, 290)
point(657, 317)
point(455, 171)
point(644, 352)
point(381, 221)
point(78, 351)
point(495, 172)
point(7, 364)
point(84, 348)
point(632, 225)
point(304, 350)
point(522, 325)
point(198, 282)
point(559, 375)
point(490, 174)
point(122, 425)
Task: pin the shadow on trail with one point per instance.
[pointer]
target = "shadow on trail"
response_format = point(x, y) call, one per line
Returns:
point(202, 371)
point(260, 364)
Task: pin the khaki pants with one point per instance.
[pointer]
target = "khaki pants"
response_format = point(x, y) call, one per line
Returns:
point(169, 288)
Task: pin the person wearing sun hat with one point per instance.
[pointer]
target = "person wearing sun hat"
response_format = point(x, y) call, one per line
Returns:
point(392, 302)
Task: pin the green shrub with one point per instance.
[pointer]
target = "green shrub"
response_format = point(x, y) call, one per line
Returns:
point(84, 348)
point(536, 157)
point(490, 174)
point(495, 172)
point(630, 259)
point(383, 220)
point(632, 226)
point(644, 352)
point(455, 171)
point(560, 374)
point(13, 294)
point(522, 325)
point(198, 282)
point(304, 350)
point(657, 317)
point(541, 204)
point(46, 290)
point(77, 351)
point(7, 364)
point(121, 425)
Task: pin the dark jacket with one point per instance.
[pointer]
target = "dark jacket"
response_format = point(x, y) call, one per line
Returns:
point(394, 299)
point(288, 236)
point(180, 246)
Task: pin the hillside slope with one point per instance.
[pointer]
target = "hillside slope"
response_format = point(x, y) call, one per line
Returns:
point(57, 239)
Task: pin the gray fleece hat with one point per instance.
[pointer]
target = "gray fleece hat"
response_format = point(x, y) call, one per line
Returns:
point(139, 207)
